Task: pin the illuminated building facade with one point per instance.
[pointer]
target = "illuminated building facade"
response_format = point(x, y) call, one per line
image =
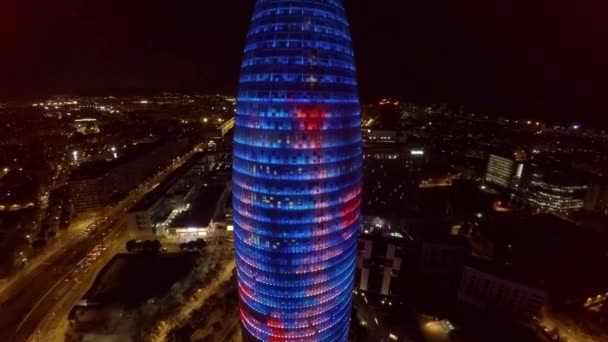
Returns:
point(297, 173)
point(504, 172)
point(556, 193)
point(500, 170)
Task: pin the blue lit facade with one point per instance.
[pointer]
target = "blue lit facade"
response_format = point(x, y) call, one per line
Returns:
point(297, 172)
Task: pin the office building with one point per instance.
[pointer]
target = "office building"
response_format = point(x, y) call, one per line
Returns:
point(556, 192)
point(484, 286)
point(380, 257)
point(94, 185)
point(297, 173)
point(504, 172)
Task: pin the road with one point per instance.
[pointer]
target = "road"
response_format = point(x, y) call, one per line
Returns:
point(233, 333)
point(368, 318)
point(53, 327)
point(567, 330)
point(68, 289)
point(28, 299)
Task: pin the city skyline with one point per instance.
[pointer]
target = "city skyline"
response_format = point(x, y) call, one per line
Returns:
point(303, 170)
point(497, 59)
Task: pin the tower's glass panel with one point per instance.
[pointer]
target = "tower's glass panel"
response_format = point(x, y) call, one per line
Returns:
point(297, 172)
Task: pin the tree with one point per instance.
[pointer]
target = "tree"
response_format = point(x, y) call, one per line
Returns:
point(156, 246)
point(147, 246)
point(39, 244)
point(131, 246)
point(200, 244)
point(183, 246)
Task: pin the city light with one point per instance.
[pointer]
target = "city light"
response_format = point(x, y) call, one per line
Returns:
point(291, 211)
point(417, 152)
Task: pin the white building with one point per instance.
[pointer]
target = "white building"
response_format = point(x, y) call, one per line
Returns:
point(503, 172)
point(486, 289)
point(385, 271)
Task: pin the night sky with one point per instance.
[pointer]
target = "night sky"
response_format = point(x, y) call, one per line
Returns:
point(540, 58)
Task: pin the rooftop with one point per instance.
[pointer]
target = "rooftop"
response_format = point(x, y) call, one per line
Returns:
point(167, 183)
point(502, 271)
point(379, 226)
point(563, 258)
point(203, 207)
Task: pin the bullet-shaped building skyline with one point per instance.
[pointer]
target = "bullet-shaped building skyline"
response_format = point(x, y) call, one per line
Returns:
point(297, 172)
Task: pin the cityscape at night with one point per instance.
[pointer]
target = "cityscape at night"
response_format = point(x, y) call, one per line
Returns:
point(304, 170)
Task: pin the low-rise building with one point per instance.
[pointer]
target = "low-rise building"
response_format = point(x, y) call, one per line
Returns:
point(94, 185)
point(444, 256)
point(381, 250)
point(153, 214)
point(556, 192)
point(485, 286)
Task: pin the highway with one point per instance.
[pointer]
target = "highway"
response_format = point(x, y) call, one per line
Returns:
point(233, 333)
point(53, 326)
point(32, 296)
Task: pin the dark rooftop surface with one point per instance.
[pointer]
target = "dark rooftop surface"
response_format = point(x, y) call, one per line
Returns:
point(166, 184)
point(501, 271)
point(569, 178)
point(131, 279)
point(563, 258)
point(202, 209)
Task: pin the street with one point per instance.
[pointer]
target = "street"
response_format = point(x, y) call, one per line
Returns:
point(32, 296)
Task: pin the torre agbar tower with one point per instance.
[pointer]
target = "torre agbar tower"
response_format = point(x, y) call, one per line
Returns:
point(297, 172)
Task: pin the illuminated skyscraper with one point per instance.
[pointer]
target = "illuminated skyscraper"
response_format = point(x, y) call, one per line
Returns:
point(297, 172)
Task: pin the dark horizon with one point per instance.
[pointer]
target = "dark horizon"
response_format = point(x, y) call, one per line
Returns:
point(542, 59)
